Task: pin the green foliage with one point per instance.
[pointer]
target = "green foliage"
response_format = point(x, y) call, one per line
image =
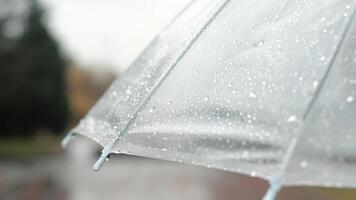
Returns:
point(32, 79)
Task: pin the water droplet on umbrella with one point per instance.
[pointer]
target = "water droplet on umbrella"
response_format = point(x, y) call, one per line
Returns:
point(252, 95)
point(253, 173)
point(303, 164)
point(350, 99)
point(128, 91)
point(315, 84)
point(259, 43)
point(152, 109)
point(292, 118)
point(108, 158)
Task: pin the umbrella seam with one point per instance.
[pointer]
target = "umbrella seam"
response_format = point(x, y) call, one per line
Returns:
point(332, 62)
point(107, 150)
point(69, 136)
point(279, 10)
point(170, 69)
point(322, 83)
point(277, 181)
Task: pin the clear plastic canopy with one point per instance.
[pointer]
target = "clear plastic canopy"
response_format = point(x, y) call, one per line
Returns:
point(264, 88)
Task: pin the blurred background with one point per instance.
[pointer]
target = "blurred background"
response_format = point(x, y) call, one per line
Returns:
point(57, 57)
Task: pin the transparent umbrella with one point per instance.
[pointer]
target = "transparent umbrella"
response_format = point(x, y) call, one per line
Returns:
point(264, 88)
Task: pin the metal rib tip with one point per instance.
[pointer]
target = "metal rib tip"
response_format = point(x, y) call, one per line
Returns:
point(99, 163)
point(271, 194)
point(104, 154)
point(66, 140)
point(273, 190)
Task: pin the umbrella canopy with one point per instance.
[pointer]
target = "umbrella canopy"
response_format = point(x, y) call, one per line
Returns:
point(264, 88)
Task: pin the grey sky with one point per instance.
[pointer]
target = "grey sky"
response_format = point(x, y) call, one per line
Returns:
point(108, 33)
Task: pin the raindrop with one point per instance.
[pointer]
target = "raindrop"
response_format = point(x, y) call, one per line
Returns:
point(292, 118)
point(252, 95)
point(315, 84)
point(259, 43)
point(253, 173)
point(206, 98)
point(322, 58)
point(303, 164)
point(107, 158)
point(350, 99)
point(128, 91)
point(152, 109)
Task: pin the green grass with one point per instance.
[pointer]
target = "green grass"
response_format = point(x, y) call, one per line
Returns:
point(340, 194)
point(26, 147)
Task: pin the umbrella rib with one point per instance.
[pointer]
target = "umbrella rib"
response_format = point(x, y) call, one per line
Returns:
point(280, 9)
point(332, 62)
point(277, 182)
point(107, 150)
point(180, 13)
point(69, 137)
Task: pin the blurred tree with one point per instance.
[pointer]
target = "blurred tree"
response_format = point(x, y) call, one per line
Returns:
point(32, 77)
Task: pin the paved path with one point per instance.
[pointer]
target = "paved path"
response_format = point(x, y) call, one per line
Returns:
point(71, 177)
